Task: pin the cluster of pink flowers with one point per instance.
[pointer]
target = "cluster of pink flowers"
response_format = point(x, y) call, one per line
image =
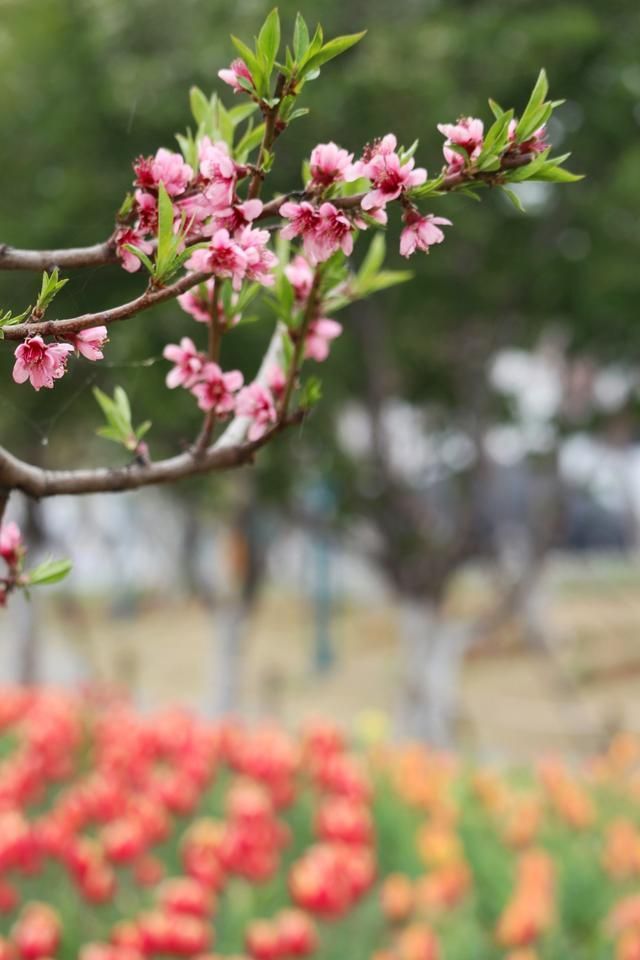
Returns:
point(42, 363)
point(222, 392)
point(467, 134)
point(205, 205)
point(325, 227)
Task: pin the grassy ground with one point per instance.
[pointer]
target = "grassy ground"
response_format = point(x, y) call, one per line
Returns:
point(515, 700)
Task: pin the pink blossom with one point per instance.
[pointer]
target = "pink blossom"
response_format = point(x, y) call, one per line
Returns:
point(135, 238)
point(216, 390)
point(421, 232)
point(467, 133)
point(320, 333)
point(276, 380)
point(390, 177)
point(256, 402)
point(188, 362)
point(170, 169)
point(147, 210)
point(11, 546)
point(223, 257)
point(300, 276)
point(236, 71)
point(89, 343)
point(142, 168)
point(39, 362)
point(219, 170)
point(303, 217)
point(379, 148)
point(324, 229)
point(260, 260)
point(198, 301)
point(329, 163)
point(235, 217)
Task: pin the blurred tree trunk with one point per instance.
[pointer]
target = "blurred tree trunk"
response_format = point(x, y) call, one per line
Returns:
point(234, 603)
point(433, 651)
point(28, 630)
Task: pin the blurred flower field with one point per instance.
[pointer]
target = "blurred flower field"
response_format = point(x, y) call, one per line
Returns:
point(125, 836)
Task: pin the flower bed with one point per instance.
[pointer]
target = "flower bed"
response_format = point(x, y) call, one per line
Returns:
point(125, 836)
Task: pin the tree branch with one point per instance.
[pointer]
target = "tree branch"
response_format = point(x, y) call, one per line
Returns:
point(62, 328)
point(11, 258)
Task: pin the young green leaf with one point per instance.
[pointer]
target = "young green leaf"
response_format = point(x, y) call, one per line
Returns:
point(51, 571)
point(269, 40)
point(333, 48)
point(300, 38)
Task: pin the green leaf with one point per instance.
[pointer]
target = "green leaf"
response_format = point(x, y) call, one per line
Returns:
point(514, 198)
point(242, 112)
point(165, 228)
point(373, 259)
point(496, 109)
point(51, 571)
point(143, 429)
point(269, 40)
point(200, 105)
point(189, 148)
point(311, 393)
point(51, 285)
point(300, 37)
point(122, 403)
point(7, 319)
point(551, 173)
point(333, 48)
point(536, 100)
point(496, 139)
point(251, 139)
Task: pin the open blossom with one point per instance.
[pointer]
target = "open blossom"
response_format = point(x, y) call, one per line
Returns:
point(260, 260)
point(467, 133)
point(421, 232)
point(235, 217)
point(256, 402)
point(11, 547)
point(223, 257)
point(199, 301)
point(234, 73)
point(135, 238)
point(329, 163)
point(300, 276)
point(218, 168)
point(169, 168)
point(323, 229)
point(89, 343)
point(188, 363)
point(389, 176)
point(147, 211)
point(216, 390)
point(39, 362)
point(319, 335)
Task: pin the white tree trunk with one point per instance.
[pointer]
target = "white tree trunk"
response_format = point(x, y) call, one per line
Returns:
point(230, 627)
point(433, 651)
point(28, 639)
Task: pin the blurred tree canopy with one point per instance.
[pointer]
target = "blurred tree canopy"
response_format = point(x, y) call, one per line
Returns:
point(87, 85)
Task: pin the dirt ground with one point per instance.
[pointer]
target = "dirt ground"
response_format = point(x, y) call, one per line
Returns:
point(515, 701)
